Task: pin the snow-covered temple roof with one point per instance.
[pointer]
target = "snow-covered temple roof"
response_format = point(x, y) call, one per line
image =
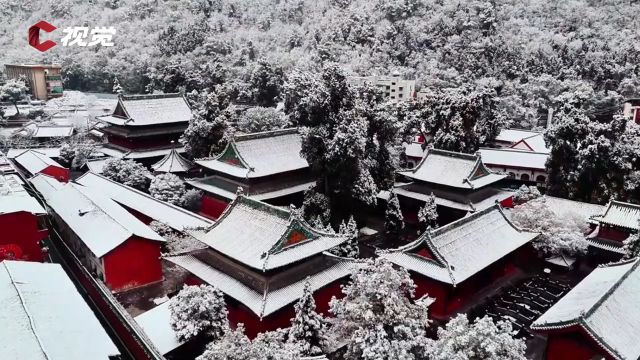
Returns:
point(414, 150)
point(14, 198)
point(136, 154)
point(172, 163)
point(44, 131)
point(34, 161)
point(514, 158)
point(622, 214)
point(49, 152)
point(459, 250)
point(453, 169)
point(268, 300)
point(45, 318)
point(512, 136)
point(171, 215)
point(562, 206)
point(265, 237)
point(259, 154)
point(45, 184)
point(605, 306)
point(156, 323)
point(262, 191)
point(97, 220)
point(478, 200)
point(532, 143)
point(142, 110)
point(96, 166)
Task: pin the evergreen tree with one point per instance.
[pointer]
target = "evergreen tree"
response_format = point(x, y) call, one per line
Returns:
point(350, 247)
point(199, 310)
point(308, 328)
point(167, 187)
point(632, 245)
point(207, 131)
point(235, 345)
point(266, 81)
point(393, 219)
point(13, 91)
point(117, 88)
point(127, 172)
point(428, 214)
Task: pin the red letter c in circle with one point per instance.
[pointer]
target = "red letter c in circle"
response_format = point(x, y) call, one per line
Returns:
point(34, 36)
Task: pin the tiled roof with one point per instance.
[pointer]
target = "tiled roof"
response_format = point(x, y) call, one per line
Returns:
point(259, 191)
point(605, 305)
point(156, 324)
point(259, 154)
point(462, 248)
point(52, 131)
point(171, 215)
point(172, 163)
point(480, 200)
point(562, 206)
point(514, 135)
point(533, 143)
point(138, 154)
point(98, 221)
point(49, 152)
point(14, 198)
point(255, 233)
point(34, 161)
point(144, 110)
point(44, 317)
point(625, 215)
point(514, 158)
point(267, 302)
point(458, 170)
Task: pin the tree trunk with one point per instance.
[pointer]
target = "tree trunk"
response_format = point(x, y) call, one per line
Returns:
point(17, 110)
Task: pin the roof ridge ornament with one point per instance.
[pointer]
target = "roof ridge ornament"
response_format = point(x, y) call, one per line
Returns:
point(239, 191)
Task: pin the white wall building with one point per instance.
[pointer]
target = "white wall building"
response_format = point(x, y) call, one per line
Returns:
point(393, 87)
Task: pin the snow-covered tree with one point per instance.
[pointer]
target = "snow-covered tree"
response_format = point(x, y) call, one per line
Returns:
point(308, 328)
point(117, 88)
point(266, 83)
point(67, 152)
point(260, 119)
point(526, 193)
point(192, 200)
point(235, 345)
point(199, 310)
point(350, 247)
point(167, 187)
point(207, 130)
point(13, 91)
point(428, 214)
point(482, 339)
point(176, 242)
point(632, 245)
point(560, 234)
point(316, 207)
point(378, 315)
point(127, 172)
point(393, 219)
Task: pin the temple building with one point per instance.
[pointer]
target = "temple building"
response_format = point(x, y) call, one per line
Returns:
point(510, 137)
point(260, 256)
point(617, 222)
point(597, 319)
point(455, 262)
point(35, 162)
point(173, 163)
point(527, 167)
point(461, 183)
point(267, 165)
point(144, 127)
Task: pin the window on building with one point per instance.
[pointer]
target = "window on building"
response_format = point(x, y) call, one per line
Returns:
point(400, 88)
point(388, 87)
point(393, 83)
point(393, 90)
point(400, 95)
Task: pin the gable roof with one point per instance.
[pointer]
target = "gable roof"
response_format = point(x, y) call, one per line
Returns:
point(142, 110)
point(172, 163)
point(47, 131)
point(156, 323)
point(98, 221)
point(49, 152)
point(259, 154)
point(514, 158)
point(256, 234)
point(14, 198)
point(514, 135)
point(171, 215)
point(45, 184)
point(462, 248)
point(35, 161)
point(454, 169)
point(562, 206)
point(45, 318)
point(532, 143)
point(605, 305)
point(622, 214)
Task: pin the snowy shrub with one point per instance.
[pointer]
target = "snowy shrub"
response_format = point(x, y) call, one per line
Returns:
point(167, 187)
point(127, 172)
point(559, 234)
point(428, 214)
point(176, 242)
point(192, 200)
point(632, 245)
point(393, 219)
point(308, 328)
point(526, 193)
point(199, 310)
point(315, 206)
point(67, 152)
point(260, 119)
point(13, 91)
point(377, 315)
point(482, 339)
point(235, 345)
point(350, 247)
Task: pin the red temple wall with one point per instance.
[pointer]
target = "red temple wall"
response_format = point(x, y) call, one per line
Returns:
point(612, 233)
point(212, 206)
point(21, 229)
point(59, 173)
point(573, 345)
point(134, 263)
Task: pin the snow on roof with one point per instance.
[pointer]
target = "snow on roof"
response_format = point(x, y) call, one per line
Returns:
point(171, 215)
point(141, 154)
point(605, 305)
point(44, 317)
point(532, 143)
point(256, 234)
point(97, 220)
point(562, 206)
point(622, 214)
point(223, 187)
point(514, 158)
point(156, 324)
point(414, 150)
point(453, 169)
point(259, 154)
point(462, 248)
point(151, 110)
point(172, 163)
point(486, 197)
point(14, 198)
point(263, 304)
point(96, 166)
point(34, 161)
point(46, 185)
point(49, 152)
point(43, 131)
point(514, 135)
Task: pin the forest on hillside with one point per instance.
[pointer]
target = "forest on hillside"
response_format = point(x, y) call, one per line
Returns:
point(529, 52)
